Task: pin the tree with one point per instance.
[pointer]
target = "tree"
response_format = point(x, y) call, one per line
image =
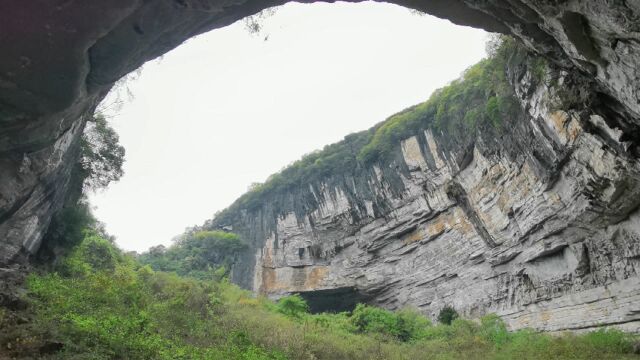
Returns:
point(447, 315)
point(254, 23)
point(198, 254)
point(102, 156)
point(293, 306)
point(100, 163)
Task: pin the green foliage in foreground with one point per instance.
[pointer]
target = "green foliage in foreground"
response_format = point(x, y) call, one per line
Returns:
point(198, 254)
point(102, 304)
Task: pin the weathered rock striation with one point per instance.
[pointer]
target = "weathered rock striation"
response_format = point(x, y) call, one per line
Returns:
point(555, 197)
point(538, 222)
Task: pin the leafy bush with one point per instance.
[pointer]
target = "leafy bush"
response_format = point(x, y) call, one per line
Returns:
point(404, 325)
point(201, 254)
point(104, 305)
point(411, 324)
point(68, 226)
point(494, 330)
point(293, 306)
point(447, 315)
point(93, 254)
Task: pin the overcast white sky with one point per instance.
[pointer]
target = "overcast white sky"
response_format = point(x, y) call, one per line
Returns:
point(228, 108)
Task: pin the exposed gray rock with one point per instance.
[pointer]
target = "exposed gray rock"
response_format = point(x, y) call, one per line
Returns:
point(541, 227)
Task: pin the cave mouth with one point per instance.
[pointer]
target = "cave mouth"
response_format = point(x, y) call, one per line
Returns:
point(334, 300)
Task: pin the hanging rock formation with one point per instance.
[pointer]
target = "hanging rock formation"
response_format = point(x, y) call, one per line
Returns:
point(546, 221)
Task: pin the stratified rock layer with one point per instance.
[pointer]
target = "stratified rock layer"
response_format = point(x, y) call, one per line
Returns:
point(537, 222)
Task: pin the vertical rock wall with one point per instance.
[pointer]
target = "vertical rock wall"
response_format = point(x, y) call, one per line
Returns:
point(536, 221)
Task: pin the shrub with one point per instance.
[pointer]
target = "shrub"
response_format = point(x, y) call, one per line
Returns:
point(374, 320)
point(104, 305)
point(199, 254)
point(412, 325)
point(494, 330)
point(447, 315)
point(293, 306)
point(404, 325)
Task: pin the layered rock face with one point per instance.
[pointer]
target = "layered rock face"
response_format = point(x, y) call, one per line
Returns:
point(538, 222)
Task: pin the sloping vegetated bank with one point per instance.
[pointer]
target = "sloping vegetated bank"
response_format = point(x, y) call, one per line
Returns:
point(99, 303)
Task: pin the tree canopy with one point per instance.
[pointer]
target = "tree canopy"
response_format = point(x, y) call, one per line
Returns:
point(102, 156)
point(196, 254)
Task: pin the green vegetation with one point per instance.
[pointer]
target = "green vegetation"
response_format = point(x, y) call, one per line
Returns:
point(481, 96)
point(102, 304)
point(404, 325)
point(293, 306)
point(198, 254)
point(99, 303)
point(102, 156)
point(447, 315)
point(100, 162)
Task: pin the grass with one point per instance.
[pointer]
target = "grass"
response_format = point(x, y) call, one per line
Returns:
point(102, 304)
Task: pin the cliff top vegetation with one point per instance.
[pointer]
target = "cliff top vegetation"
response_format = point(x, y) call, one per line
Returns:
point(481, 97)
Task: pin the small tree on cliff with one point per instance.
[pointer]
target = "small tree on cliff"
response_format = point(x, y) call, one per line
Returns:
point(447, 315)
point(100, 163)
point(102, 156)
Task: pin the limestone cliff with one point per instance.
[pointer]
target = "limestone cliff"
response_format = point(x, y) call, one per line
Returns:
point(536, 221)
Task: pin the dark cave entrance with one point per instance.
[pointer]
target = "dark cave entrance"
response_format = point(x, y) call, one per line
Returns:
point(334, 300)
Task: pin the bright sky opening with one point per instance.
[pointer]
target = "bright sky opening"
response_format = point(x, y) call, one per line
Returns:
point(229, 108)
